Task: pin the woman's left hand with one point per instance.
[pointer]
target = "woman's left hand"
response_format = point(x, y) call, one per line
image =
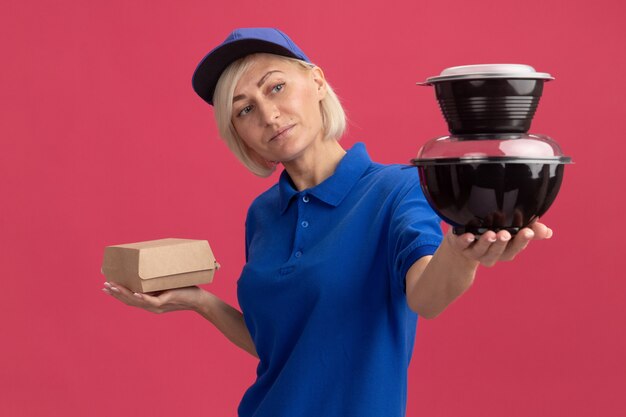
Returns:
point(491, 247)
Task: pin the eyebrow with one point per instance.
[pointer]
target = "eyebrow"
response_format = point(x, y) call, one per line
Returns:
point(259, 84)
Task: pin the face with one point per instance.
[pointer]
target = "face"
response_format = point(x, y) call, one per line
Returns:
point(276, 108)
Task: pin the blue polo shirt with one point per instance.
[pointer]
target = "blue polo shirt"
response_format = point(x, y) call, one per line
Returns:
point(323, 294)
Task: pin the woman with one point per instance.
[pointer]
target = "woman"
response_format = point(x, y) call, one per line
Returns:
point(341, 255)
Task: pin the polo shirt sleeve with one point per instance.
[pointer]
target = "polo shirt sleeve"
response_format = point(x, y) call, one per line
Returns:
point(414, 231)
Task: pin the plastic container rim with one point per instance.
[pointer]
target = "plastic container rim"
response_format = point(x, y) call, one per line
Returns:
point(489, 160)
point(481, 76)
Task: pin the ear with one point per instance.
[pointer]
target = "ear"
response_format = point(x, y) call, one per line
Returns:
point(320, 82)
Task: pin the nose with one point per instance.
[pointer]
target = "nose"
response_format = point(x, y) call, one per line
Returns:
point(269, 112)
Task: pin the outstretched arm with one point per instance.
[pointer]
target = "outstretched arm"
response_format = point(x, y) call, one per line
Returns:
point(433, 282)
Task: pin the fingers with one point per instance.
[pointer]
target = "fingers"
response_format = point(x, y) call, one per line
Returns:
point(130, 298)
point(486, 249)
point(461, 242)
point(149, 302)
point(490, 247)
point(118, 291)
point(114, 289)
point(518, 244)
point(541, 231)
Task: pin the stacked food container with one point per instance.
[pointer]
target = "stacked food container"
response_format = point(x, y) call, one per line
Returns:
point(490, 173)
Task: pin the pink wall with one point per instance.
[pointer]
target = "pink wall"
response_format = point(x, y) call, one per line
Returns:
point(103, 142)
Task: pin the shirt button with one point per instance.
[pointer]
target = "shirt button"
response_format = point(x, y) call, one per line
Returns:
point(298, 254)
point(305, 198)
point(305, 224)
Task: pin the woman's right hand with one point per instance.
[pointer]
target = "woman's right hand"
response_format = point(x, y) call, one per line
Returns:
point(188, 298)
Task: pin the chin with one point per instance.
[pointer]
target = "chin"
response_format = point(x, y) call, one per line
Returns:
point(288, 149)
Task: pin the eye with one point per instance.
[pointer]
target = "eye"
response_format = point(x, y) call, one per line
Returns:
point(245, 111)
point(278, 87)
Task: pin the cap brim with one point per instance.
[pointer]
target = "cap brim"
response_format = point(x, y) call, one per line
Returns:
point(210, 69)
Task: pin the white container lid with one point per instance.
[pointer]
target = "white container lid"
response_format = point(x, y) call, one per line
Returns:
point(483, 71)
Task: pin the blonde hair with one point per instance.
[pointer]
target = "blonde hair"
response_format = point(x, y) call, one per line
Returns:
point(333, 115)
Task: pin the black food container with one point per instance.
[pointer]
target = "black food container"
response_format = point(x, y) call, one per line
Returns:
point(490, 181)
point(488, 98)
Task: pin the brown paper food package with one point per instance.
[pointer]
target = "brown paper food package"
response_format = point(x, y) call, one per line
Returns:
point(161, 264)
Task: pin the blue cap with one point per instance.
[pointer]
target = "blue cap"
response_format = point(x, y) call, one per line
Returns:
point(239, 43)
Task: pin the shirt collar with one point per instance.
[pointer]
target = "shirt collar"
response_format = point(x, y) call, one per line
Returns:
point(334, 189)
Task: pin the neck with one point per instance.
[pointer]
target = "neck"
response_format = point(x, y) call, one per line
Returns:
point(318, 163)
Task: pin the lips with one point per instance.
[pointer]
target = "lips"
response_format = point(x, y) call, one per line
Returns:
point(280, 132)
